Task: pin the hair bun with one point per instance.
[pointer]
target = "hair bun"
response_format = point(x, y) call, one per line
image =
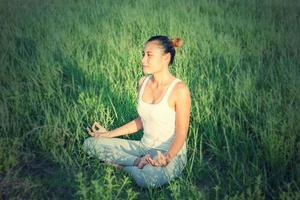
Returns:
point(176, 42)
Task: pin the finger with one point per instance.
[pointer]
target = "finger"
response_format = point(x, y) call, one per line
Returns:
point(159, 157)
point(163, 159)
point(97, 125)
point(159, 154)
point(167, 157)
point(148, 160)
point(90, 132)
point(101, 128)
point(151, 161)
point(156, 163)
point(94, 127)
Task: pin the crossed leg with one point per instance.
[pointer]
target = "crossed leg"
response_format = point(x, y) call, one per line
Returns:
point(114, 150)
point(126, 153)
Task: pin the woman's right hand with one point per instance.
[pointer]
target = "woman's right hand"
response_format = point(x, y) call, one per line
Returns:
point(96, 127)
point(97, 130)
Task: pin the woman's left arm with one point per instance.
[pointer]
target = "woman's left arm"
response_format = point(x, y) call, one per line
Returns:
point(182, 107)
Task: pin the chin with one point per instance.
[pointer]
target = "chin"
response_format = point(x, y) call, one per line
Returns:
point(147, 71)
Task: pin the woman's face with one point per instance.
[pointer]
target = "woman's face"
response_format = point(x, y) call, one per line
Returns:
point(154, 59)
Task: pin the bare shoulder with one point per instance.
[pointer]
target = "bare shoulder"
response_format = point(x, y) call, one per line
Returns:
point(182, 94)
point(181, 89)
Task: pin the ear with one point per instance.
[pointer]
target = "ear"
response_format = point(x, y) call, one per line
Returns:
point(167, 57)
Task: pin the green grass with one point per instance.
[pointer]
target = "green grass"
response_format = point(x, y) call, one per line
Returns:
point(64, 64)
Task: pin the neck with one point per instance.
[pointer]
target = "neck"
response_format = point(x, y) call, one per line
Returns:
point(162, 78)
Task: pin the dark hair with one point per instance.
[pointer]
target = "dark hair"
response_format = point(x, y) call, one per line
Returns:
point(168, 44)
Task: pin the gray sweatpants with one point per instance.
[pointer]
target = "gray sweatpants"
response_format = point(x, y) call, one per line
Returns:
point(124, 152)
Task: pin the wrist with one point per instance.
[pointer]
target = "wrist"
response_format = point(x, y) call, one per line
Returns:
point(168, 157)
point(109, 134)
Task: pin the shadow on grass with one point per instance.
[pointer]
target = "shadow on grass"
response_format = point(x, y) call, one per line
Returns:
point(76, 81)
point(46, 177)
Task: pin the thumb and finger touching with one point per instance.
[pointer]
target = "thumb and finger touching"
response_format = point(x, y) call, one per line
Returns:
point(98, 128)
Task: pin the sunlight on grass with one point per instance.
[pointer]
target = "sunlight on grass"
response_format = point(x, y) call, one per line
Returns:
point(66, 64)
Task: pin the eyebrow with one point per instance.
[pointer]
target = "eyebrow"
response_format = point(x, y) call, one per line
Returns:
point(147, 52)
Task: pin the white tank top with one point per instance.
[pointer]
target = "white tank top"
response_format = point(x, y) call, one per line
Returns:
point(158, 119)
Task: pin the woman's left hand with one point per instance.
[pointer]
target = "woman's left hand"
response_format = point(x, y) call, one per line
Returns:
point(160, 161)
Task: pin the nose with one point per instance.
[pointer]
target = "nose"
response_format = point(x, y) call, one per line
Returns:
point(144, 60)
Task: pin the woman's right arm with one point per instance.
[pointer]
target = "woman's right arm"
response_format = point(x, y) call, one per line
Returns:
point(129, 128)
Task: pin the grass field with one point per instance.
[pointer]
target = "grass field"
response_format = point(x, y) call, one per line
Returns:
point(68, 63)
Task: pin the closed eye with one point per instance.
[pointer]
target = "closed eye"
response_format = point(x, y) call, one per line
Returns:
point(148, 54)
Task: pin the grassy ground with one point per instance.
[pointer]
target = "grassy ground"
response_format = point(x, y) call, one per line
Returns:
point(67, 63)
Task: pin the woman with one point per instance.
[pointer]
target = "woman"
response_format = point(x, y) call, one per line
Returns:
point(164, 109)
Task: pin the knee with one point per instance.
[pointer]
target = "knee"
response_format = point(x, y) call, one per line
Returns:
point(94, 145)
point(137, 175)
point(88, 144)
point(149, 178)
point(142, 181)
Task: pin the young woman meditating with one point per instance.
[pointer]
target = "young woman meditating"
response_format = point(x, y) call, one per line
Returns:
point(164, 110)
